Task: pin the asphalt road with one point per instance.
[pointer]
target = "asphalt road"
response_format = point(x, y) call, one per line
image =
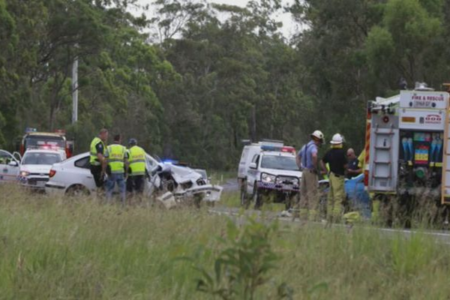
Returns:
point(439, 236)
point(231, 186)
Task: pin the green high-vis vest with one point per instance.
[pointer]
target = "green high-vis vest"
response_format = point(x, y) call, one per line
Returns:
point(137, 161)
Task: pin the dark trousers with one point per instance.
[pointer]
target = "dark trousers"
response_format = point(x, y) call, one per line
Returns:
point(136, 184)
point(96, 171)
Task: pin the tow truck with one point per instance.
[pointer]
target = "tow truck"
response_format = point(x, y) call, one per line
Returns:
point(268, 168)
point(407, 153)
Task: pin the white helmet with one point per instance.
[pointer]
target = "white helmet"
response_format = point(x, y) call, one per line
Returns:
point(318, 134)
point(337, 139)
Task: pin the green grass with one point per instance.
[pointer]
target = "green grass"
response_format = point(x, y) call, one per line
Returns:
point(61, 249)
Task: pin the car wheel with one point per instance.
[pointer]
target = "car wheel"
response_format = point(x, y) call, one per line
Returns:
point(77, 191)
point(257, 198)
point(244, 197)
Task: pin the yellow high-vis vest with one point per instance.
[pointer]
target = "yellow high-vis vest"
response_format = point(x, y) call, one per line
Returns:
point(93, 152)
point(116, 156)
point(137, 161)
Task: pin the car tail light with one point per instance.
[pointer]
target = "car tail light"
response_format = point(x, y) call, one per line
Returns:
point(52, 173)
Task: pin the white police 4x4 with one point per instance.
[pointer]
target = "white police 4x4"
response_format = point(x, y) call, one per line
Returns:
point(272, 173)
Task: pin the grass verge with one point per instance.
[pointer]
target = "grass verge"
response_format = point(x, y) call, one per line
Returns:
point(53, 248)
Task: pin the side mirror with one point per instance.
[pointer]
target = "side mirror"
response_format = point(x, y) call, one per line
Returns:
point(13, 164)
point(253, 166)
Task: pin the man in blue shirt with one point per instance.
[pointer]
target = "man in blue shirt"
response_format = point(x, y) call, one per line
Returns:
point(307, 162)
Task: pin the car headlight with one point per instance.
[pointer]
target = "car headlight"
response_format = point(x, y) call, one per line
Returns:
point(267, 178)
point(24, 173)
point(295, 181)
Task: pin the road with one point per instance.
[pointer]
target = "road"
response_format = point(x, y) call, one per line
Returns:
point(439, 236)
point(230, 186)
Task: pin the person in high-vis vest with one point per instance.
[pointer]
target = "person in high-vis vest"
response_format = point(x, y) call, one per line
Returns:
point(117, 168)
point(97, 158)
point(137, 168)
point(336, 157)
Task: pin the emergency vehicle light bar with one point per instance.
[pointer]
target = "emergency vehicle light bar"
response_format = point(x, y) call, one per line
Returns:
point(271, 148)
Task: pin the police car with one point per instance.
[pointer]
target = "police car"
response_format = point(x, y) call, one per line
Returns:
point(9, 166)
point(35, 167)
point(268, 168)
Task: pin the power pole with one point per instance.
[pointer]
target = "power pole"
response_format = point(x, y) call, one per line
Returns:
point(75, 91)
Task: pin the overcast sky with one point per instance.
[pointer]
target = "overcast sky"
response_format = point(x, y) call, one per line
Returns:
point(289, 28)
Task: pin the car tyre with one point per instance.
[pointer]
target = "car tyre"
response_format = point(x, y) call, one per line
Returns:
point(244, 197)
point(257, 198)
point(77, 191)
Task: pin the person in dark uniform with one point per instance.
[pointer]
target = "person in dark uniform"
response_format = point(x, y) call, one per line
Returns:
point(98, 155)
point(353, 169)
point(336, 159)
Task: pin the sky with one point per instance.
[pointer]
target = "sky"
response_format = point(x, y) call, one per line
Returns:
point(289, 27)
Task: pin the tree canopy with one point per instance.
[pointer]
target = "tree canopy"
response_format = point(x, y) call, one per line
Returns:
point(191, 79)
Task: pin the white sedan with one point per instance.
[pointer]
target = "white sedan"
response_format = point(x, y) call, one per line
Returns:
point(73, 177)
point(36, 165)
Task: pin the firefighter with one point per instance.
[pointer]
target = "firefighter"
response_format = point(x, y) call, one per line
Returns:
point(337, 160)
point(117, 156)
point(307, 162)
point(137, 168)
point(97, 159)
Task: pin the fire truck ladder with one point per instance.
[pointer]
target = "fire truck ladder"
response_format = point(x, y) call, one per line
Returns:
point(445, 183)
point(383, 150)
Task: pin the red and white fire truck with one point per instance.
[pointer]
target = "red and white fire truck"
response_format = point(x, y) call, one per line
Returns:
point(46, 141)
point(408, 147)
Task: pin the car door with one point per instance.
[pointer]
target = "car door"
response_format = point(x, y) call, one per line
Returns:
point(83, 173)
point(151, 182)
point(252, 175)
point(9, 167)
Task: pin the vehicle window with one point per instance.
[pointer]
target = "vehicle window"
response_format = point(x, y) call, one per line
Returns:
point(244, 153)
point(44, 141)
point(5, 158)
point(257, 160)
point(83, 163)
point(41, 159)
point(279, 163)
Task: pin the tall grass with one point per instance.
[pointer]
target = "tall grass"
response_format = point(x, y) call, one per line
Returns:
point(54, 248)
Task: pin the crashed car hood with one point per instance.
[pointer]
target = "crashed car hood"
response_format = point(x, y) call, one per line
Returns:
point(297, 174)
point(184, 174)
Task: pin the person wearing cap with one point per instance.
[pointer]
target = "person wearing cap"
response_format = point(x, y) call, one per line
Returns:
point(137, 168)
point(307, 162)
point(337, 161)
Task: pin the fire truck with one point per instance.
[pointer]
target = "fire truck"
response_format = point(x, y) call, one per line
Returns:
point(46, 141)
point(407, 154)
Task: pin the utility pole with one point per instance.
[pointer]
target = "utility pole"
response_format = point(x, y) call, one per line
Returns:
point(75, 91)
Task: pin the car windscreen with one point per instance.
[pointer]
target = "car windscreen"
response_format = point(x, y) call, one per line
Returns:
point(41, 159)
point(279, 163)
point(43, 141)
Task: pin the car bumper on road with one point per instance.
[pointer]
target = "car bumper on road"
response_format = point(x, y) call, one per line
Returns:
point(210, 193)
